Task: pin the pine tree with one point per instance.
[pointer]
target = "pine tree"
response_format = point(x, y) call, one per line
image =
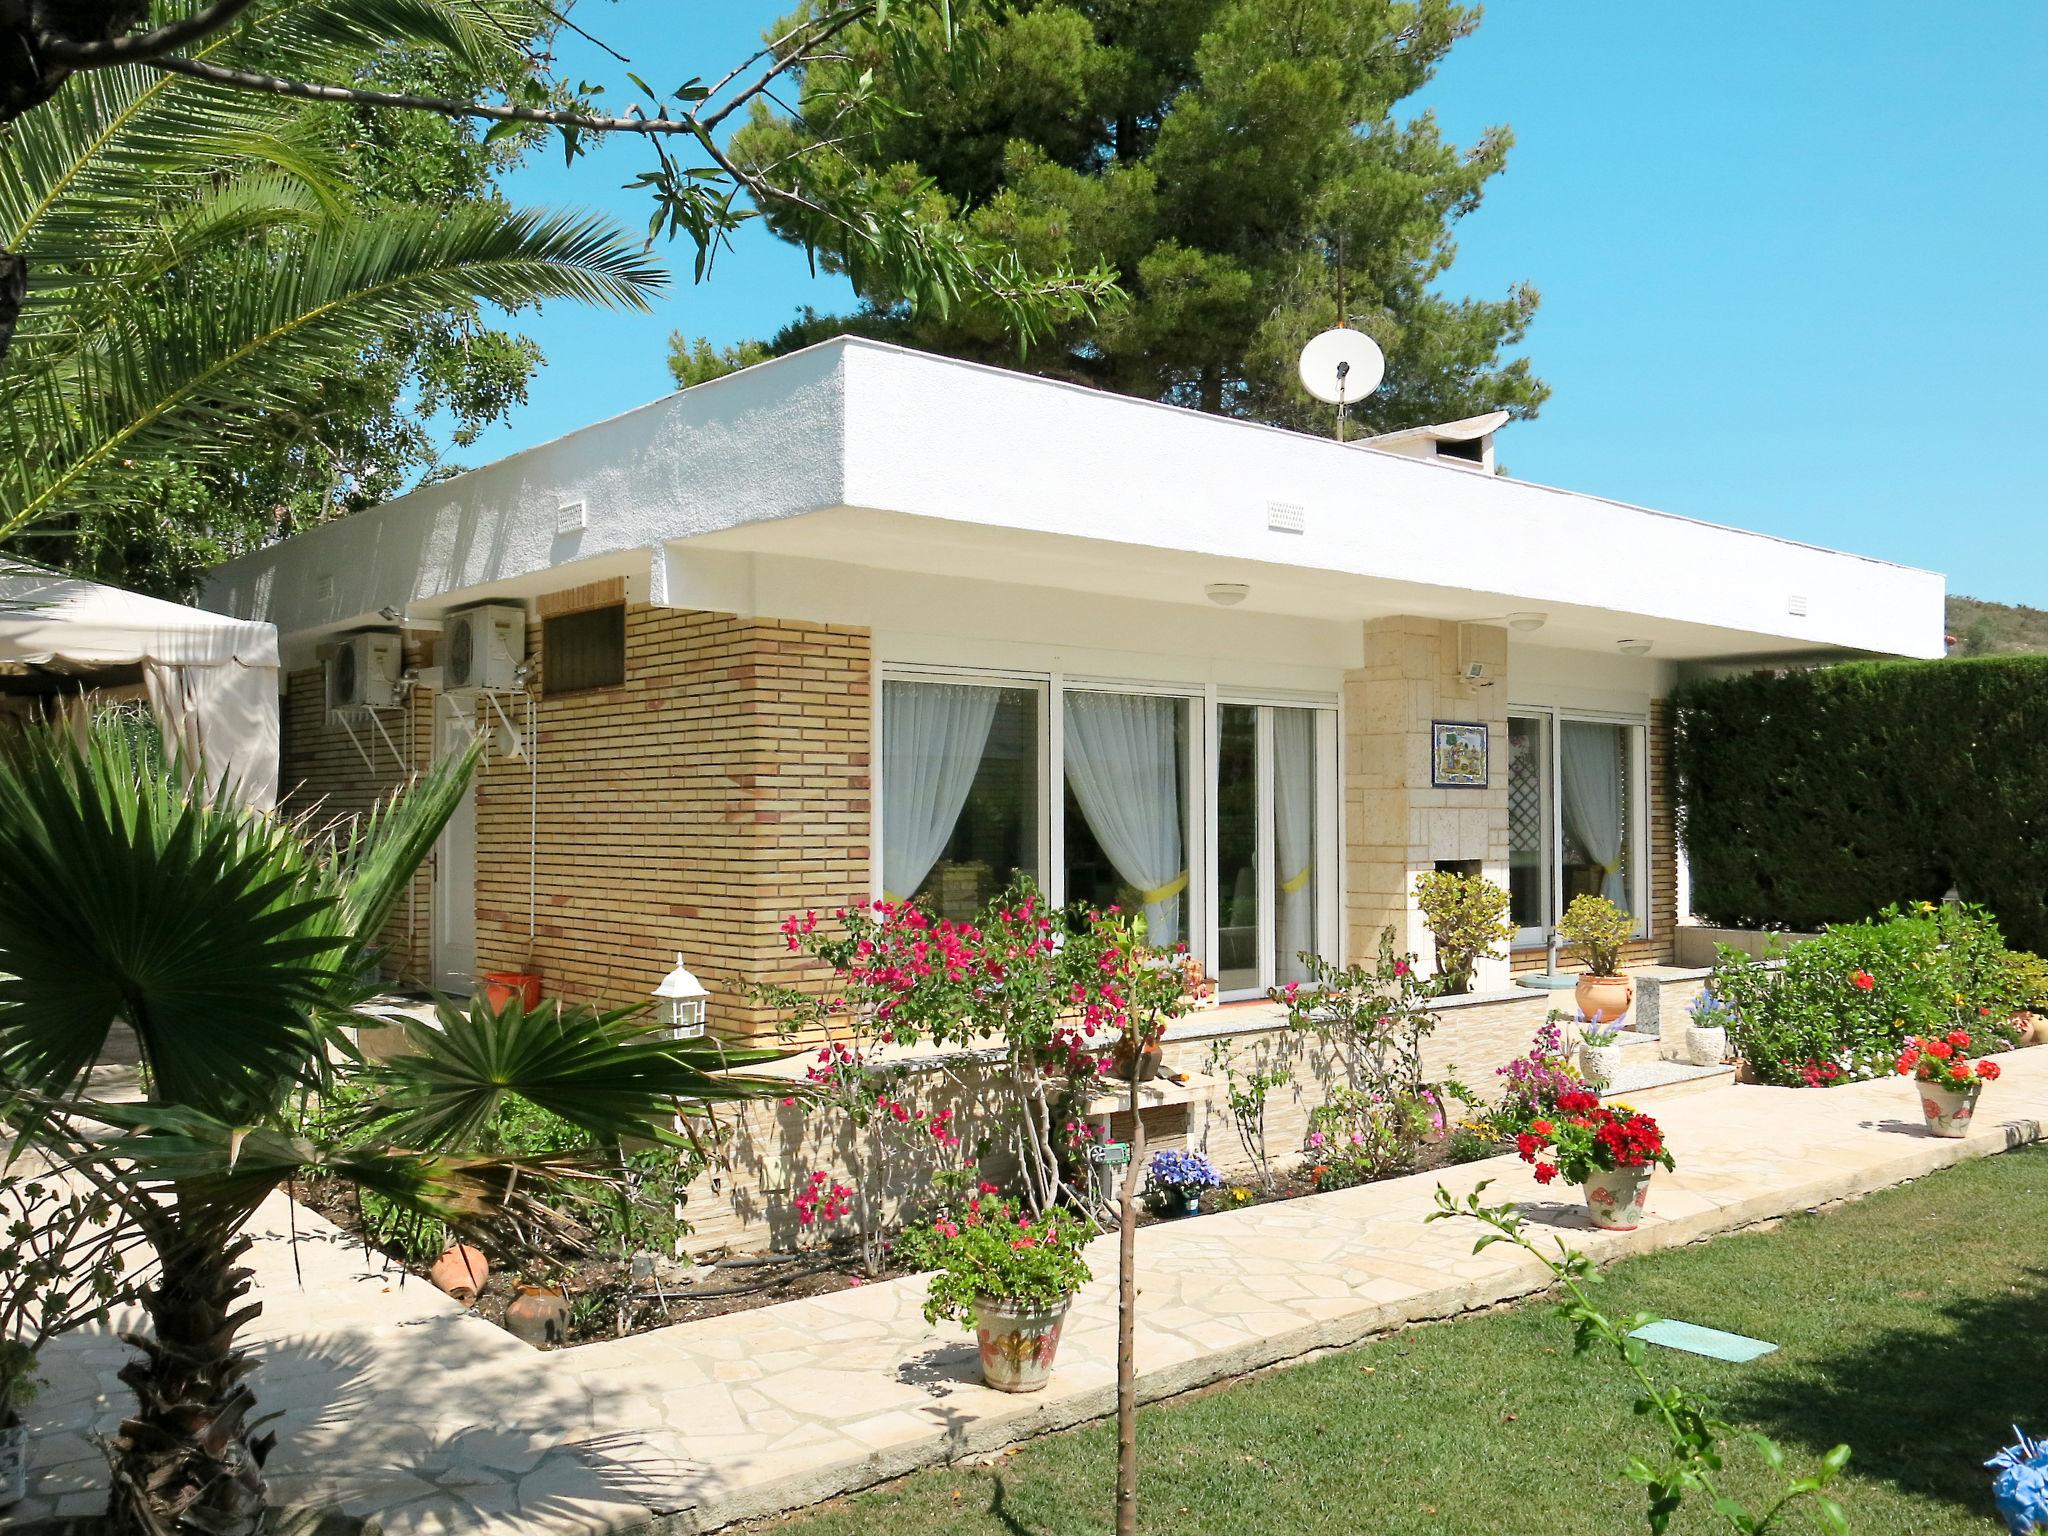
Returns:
point(1219, 155)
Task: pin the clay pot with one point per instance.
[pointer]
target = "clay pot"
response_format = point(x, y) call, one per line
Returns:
point(1018, 1343)
point(2033, 1027)
point(461, 1271)
point(1607, 998)
point(539, 1316)
point(1148, 1060)
point(500, 987)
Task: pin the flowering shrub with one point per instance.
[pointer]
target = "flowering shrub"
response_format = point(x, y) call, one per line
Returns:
point(1181, 1174)
point(1356, 1137)
point(1536, 1080)
point(822, 1200)
point(1245, 1094)
point(1845, 1001)
point(1374, 1016)
point(1945, 1062)
point(1051, 988)
point(993, 1249)
point(1588, 1136)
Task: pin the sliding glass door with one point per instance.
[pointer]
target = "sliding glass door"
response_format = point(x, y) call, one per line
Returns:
point(1213, 819)
point(1267, 871)
point(1575, 822)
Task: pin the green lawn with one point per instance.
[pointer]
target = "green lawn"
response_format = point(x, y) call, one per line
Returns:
point(1913, 1325)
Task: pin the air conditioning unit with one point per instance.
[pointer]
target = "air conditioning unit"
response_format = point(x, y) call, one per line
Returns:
point(483, 648)
point(363, 671)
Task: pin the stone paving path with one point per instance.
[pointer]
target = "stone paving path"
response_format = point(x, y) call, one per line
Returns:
point(394, 1403)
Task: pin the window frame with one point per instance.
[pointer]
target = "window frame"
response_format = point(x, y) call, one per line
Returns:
point(1202, 701)
point(1553, 719)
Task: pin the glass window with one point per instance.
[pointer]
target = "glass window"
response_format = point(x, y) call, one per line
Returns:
point(1295, 842)
point(1237, 848)
point(960, 792)
point(1597, 845)
point(1528, 824)
point(1126, 778)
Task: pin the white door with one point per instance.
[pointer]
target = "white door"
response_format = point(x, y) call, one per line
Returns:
point(455, 876)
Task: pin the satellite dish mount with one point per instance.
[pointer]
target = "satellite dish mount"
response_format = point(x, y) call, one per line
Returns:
point(1342, 365)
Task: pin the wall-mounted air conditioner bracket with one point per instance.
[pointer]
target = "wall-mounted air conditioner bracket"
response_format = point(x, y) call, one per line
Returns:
point(347, 718)
point(468, 706)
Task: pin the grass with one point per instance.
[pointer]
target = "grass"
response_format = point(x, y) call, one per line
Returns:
point(1913, 1325)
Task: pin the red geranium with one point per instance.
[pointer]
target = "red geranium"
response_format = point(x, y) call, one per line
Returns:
point(1591, 1136)
point(1945, 1062)
point(1863, 980)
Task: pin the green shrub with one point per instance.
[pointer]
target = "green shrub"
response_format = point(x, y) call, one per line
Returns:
point(1595, 930)
point(2023, 978)
point(1846, 999)
point(1468, 917)
point(1821, 796)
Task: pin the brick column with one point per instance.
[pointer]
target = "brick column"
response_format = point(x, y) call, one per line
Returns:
point(1396, 824)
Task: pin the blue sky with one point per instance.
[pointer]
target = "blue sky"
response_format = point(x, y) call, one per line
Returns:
point(1791, 258)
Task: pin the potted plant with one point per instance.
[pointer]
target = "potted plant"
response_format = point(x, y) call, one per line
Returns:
point(1010, 1277)
point(1595, 930)
point(1609, 1150)
point(1176, 1181)
point(1599, 1051)
point(1706, 1030)
point(1949, 1081)
point(1141, 1041)
point(1467, 915)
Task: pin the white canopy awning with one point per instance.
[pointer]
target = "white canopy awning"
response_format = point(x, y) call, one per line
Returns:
point(212, 680)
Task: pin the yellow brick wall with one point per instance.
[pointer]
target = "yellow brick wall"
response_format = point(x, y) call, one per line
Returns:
point(723, 785)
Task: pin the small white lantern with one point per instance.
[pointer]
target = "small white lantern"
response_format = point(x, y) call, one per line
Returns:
point(685, 1005)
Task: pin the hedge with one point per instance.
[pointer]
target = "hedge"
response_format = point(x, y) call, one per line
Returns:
point(1824, 796)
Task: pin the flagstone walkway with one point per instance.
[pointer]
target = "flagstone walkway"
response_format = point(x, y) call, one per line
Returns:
point(394, 1403)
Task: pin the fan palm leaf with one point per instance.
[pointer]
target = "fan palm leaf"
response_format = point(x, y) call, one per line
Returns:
point(193, 362)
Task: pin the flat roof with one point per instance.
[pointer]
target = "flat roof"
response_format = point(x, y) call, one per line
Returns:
point(859, 452)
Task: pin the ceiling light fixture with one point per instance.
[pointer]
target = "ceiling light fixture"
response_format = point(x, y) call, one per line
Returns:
point(1633, 647)
point(1527, 621)
point(1227, 594)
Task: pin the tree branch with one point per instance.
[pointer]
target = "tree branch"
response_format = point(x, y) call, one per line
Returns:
point(138, 47)
point(445, 106)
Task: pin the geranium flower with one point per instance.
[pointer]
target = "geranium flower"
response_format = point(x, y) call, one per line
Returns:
point(1862, 980)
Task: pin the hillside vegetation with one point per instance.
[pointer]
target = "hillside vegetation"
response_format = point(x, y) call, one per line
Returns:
point(1995, 629)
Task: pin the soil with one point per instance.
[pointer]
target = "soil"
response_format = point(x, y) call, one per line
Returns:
point(607, 1302)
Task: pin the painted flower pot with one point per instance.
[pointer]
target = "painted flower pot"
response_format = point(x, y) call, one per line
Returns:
point(1706, 1045)
point(1599, 1063)
point(13, 1464)
point(1948, 1110)
point(500, 987)
point(1616, 1197)
point(1018, 1343)
point(461, 1271)
point(1607, 998)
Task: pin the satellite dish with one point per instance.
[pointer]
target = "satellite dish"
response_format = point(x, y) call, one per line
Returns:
point(1342, 366)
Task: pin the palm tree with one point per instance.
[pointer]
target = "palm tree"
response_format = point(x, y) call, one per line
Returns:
point(233, 945)
point(196, 268)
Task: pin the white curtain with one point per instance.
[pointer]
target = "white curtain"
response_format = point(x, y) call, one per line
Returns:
point(1123, 769)
point(223, 717)
point(933, 737)
point(1593, 761)
point(1294, 832)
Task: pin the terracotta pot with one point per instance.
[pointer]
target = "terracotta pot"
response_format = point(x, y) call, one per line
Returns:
point(500, 987)
point(1148, 1060)
point(1018, 1343)
point(2033, 1027)
point(538, 1316)
point(461, 1271)
point(1607, 998)
point(1616, 1198)
point(13, 1464)
point(1949, 1111)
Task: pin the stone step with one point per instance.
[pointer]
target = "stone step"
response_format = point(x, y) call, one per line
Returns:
point(1642, 1080)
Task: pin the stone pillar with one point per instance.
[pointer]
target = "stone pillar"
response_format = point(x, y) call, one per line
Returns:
point(1397, 825)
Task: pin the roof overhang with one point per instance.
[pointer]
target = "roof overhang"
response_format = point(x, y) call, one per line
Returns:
point(861, 454)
